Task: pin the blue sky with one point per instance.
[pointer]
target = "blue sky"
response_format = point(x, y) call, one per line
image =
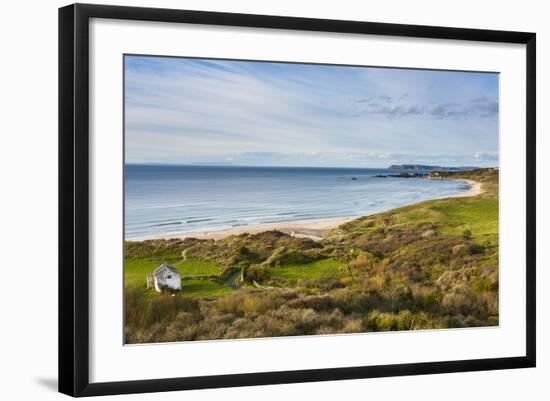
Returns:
point(189, 111)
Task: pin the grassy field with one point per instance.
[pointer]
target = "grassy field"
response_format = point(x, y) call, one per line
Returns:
point(136, 270)
point(429, 265)
point(451, 216)
point(204, 288)
point(314, 270)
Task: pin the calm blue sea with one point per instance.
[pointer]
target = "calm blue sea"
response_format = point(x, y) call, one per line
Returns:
point(163, 200)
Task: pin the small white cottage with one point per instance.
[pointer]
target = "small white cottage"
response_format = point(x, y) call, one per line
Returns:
point(164, 278)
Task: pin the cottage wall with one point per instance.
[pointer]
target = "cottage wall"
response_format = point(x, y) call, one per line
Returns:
point(167, 278)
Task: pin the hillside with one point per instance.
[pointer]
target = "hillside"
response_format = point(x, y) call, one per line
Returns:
point(429, 265)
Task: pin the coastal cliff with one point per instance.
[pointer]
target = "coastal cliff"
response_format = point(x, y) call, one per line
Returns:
point(426, 167)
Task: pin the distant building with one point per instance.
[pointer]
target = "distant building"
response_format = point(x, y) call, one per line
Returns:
point(164, 278)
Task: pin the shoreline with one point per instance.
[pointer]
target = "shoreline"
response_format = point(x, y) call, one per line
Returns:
point(474, 190)
point(314, 229)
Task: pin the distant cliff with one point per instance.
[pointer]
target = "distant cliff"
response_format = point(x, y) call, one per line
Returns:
point(426, 167)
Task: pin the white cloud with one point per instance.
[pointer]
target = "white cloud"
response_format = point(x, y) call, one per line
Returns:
point(186, 111)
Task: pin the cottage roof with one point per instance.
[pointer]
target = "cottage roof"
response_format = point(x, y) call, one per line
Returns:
point(163, 267)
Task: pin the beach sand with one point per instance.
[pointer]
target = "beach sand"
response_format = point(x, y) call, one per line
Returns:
point(475, 189)
point(314, 229)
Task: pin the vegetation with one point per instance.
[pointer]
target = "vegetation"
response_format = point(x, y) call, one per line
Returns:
point(429, 265)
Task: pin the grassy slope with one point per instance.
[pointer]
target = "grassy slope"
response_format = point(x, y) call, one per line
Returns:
point(136, 269)
point(314, 270)
point(429, 265)
point(204, 288)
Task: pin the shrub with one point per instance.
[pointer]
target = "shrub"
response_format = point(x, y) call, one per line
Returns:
point(324, 284)
point(292, 257)
point(378, 321)
point(432, 300)
point(364, 260)
point(146, 317)
point(155, 249)
point(243, 250)
point(256, 273)
point(316, 302)
point(352, 326)
point(348, 300)
point(475, 249)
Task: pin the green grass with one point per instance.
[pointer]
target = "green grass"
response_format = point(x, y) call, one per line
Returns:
point(198, 267)
point(314, 270)
point(455, 215)
point(480, 215)
point(136, 270)
point(203, 288)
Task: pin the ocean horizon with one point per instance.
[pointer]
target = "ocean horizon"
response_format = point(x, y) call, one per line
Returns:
point(163, 200)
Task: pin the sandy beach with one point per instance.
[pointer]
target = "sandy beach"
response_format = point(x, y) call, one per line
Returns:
point(314, 229)
point(475, 189)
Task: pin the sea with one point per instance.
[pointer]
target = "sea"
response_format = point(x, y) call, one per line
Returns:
point(162, 200)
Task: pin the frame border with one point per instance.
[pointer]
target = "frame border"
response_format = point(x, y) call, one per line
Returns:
point(73, 279)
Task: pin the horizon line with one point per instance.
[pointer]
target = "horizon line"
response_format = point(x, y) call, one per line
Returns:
point(293, 166)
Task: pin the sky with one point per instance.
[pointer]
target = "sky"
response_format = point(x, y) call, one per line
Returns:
point(205, 111)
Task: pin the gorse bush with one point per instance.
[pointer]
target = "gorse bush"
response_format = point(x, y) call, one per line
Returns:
point(280, 312)
point(142, 310)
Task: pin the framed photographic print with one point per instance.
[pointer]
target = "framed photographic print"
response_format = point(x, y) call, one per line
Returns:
point(250, 199)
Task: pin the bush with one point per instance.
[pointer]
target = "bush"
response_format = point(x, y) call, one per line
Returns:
point(432, 300)
point(146, 317)
point(348, 300)
point(243, 250)
point(156, 249)
point(364, 260)
point(290, 257)
point(323, 284)
point(318, 303)
point(475, 249)
point(256, 273)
